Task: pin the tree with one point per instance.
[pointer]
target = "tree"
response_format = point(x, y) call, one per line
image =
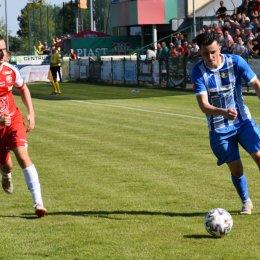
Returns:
point(36, 24)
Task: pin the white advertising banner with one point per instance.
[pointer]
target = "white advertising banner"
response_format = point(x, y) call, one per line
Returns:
point(35, 73)
point(33, 60)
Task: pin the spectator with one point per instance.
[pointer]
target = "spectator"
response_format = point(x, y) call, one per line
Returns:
point(185, 49)
point(221, 40)
point(243, 35)
point(205, 27)
point(35, 51)
point(257, 35)
point(173, 52)
point(255, 23)
point(220, 22)
point(249, 33)
point(208, 31)
point(239, 47)
point(164, 50)
point(195, 50)
point(159, 50)
point(178, 39)
point(150, 53)
point(180, 51)
point(182, 39)
point(257, 6)
point(216, 29)
point(57, 40)
point(222, 11)
point(45, 49)
point(73, 56)
point(232, 27)
point(242, 8)
point(256, 48)
point(247, 23)
point(39, 47)
point(228, 42)
point(170, 48)
point(236, 34)
point(245, 52)
point(226, 27)
point(239, 18)
point(53, 43)
point(250, 6)
point(200, 31)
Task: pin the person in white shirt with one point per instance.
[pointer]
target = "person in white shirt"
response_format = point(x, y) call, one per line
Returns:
point(238, 47)
point(151, 53)
point(195, 50)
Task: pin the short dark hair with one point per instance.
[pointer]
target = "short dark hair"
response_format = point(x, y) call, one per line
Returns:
point(1, 38)
point(206, 39)
point(254, 40)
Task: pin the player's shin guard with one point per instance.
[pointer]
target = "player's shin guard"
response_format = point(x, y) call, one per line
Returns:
point(57, 87)
point(241, 186)
point(32, 180)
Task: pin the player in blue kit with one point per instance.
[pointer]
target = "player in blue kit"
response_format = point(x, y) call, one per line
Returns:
point(217, 84)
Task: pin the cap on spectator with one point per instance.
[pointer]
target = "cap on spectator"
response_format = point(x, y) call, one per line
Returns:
point(249, 28)
point(226, 23)
point(231, 21)
point(180, 49)
point(247, 19)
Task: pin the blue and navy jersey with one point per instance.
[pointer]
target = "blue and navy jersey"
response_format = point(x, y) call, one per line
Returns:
point(224, 89)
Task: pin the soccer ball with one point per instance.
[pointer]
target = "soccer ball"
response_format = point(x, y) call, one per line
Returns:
point(218, 222)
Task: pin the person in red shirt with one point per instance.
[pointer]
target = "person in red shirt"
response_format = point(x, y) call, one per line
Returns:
point(73, 56)
point(257, 6)
point(185, 49)
point(13, 133)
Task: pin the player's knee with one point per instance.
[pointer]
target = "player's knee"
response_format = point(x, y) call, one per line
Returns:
point(24, 160)
point(237, 172)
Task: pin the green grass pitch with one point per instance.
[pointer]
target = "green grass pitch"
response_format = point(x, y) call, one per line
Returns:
point(125, 176)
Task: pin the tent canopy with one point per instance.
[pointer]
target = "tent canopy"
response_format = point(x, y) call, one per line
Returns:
point(90, 34)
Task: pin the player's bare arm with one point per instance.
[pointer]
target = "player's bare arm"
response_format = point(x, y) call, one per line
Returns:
point(256, 85)
point(27, 100)
point(206, 108)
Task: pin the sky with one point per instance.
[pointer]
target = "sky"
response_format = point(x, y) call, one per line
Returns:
point(14, 8)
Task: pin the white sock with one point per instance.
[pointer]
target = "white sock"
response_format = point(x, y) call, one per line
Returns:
point(5, 174)
point(32, 180)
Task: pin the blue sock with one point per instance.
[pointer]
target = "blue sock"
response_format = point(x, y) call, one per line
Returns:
point(241, 186)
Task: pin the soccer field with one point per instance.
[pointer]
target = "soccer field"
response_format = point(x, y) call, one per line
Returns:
point(125, 176)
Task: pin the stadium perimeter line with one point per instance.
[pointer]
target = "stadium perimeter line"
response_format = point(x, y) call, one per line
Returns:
point(131, 108)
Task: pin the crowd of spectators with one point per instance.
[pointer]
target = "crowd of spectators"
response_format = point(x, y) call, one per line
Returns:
point(44, 49)
point(238, 34)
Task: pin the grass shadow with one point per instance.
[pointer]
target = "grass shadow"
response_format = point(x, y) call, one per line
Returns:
point(100, 91)
point(201, 236)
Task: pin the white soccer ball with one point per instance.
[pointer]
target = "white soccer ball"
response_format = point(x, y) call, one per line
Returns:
point(218, 222)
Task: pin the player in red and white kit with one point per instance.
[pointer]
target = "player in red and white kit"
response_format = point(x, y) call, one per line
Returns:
point(13, 131)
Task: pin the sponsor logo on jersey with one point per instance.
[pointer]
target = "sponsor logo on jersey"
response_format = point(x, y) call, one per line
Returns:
point(7, 72)
point(224, 74)
point(9, 79)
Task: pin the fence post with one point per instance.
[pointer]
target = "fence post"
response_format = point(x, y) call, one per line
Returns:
point(184, 67)
point(137, 70)
point(63, 14)
point(71, 17)
point(160, 72)
point(167, 71)
point(34, 36)
point(29, 29)
point(41, 22)
point(48, 25)
point(112, 70)
point(55, 21)
point(124, 70)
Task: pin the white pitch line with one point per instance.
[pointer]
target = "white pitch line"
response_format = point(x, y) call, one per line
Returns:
point(138, 109)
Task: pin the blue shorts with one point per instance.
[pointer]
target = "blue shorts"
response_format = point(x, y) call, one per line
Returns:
point(225, 145)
